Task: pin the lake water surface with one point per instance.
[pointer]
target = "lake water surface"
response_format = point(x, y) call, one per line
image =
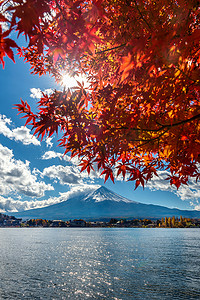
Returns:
point(99, 263)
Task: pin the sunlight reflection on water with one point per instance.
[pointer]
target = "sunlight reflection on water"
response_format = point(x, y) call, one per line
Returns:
point(69, 263)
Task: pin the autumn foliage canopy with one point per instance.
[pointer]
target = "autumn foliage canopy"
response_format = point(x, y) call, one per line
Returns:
point(141, 112)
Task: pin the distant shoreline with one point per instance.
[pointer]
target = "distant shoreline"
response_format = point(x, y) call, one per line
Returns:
point(12, 227)
point(167, 222)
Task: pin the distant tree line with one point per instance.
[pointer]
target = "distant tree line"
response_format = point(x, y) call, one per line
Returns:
point(6, 220)
point(178, 222)
point(167, 222)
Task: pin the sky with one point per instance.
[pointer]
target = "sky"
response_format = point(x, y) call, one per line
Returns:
point(35, 173)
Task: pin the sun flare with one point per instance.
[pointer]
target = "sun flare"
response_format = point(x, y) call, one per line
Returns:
point(70, 82)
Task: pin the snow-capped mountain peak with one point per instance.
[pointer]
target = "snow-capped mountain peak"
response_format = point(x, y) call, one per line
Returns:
point(103, 194)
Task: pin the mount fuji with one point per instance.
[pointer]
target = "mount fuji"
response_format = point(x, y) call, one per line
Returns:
point(103, 204)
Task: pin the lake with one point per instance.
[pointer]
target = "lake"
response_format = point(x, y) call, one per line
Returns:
point(99, 263)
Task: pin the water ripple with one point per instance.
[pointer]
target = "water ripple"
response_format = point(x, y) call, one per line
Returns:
point(118, 264)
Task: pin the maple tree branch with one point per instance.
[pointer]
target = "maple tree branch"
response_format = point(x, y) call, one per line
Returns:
point(110, 49)
point(142, 17)
point(196, 51)
point(180, 123)
point(159, 129)
point(60, 8)
point(135, 129)
point(188, 77)
point(153, 139)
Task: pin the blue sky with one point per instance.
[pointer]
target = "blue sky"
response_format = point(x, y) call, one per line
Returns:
point(35, 174)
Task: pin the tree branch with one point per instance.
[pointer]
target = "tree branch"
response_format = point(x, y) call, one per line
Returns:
point(153, 139)
point(110, 49)
point(142, 15)
point(59, 7)
point(162, 125)
point(180, 123)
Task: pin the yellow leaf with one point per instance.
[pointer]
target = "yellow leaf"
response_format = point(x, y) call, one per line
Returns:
point(184, 90)
point(177, 73)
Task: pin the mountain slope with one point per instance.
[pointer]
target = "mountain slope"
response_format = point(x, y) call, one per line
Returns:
point(103, 203)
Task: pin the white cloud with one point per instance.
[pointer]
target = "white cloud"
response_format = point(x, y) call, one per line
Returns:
point(16, 176)
point(190, 192)
point(197, 207)
point(21, 134)
point(37, 93)
point(53, 154)
point(70, 174)
point(48, 142)
point(5, 25)
point(159, 182)
point(8, 204)
point(73, 162)
point(13, 205)
point(77, 190)
point(65, 174)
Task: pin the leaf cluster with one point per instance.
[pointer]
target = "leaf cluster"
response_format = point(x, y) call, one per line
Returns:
point(141, 113)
